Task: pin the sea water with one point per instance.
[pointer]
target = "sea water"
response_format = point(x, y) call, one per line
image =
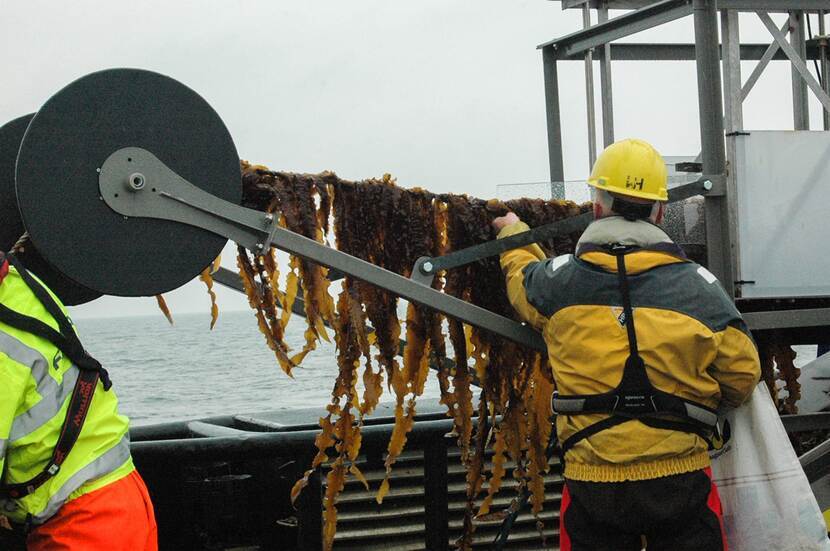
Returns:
point(186, 371)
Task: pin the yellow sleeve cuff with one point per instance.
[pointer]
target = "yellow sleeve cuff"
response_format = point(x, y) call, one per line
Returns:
point(513, 229)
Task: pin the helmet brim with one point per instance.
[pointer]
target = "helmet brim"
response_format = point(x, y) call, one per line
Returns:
point(596, 183)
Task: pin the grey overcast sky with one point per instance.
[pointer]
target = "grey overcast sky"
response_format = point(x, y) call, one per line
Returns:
point(443, 94)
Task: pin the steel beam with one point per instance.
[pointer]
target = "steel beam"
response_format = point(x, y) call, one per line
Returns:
point(795, 59)
point(782, 319)
point(731, 59)
point(740, 5)
point(805, 422)
point(632, 51)
point(554, 125)
point(733, 121)
point(718, 239)
point(825, 66)
point(647, 15)
point(612, 4)
point(774, 5)
point(619, 27)
point(770, 53)
point(816, 462)
point(606, 84)
point(589, 94)
point(801, 108)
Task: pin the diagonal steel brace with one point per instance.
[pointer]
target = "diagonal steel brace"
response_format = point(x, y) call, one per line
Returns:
point(762, 65)
point(795, 59)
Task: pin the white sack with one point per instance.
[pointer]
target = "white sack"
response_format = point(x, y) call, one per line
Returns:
point(767, 500)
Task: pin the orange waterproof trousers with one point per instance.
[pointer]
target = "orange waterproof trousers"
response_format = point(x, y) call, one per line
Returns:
point(117, 517)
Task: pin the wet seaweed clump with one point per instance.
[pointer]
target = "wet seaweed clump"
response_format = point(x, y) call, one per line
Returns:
point(496, 392)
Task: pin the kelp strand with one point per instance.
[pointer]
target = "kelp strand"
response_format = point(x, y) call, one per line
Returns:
point(392, 227)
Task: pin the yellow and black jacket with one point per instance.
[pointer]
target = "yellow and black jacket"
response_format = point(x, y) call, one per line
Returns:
point(690, 335)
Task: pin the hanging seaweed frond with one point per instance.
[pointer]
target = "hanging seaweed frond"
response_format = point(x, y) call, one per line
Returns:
point(392, 227)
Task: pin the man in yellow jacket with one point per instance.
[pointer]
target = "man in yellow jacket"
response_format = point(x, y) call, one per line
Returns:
point(645, 347)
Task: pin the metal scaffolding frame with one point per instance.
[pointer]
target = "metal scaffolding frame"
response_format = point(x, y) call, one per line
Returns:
point(720, 103)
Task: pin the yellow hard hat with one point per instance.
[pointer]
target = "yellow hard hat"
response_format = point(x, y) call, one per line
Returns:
point(633, 168)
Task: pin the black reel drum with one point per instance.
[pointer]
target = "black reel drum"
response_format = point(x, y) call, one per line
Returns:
point(64, 148)
point(70, 293)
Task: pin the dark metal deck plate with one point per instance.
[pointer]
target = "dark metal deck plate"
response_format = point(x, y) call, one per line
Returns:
point(70, 293)
point(57, 180)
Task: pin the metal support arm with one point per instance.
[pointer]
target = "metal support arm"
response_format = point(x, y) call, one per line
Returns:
point(141, 185)
point(146, 187)
point(619, 27)
point(426, 267)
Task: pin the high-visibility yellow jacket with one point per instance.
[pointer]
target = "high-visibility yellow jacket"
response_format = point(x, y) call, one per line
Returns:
point(689, 333)
point(36, 383)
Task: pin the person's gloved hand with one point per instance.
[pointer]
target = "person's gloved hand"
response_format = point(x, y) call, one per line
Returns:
point(506, 220)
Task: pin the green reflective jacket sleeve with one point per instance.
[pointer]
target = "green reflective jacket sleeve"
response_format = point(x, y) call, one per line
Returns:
point(11, 392)
point(36, 383)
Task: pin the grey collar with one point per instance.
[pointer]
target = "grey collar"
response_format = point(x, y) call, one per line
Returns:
point(616, 229)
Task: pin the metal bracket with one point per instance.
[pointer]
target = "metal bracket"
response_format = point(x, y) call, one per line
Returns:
point(134, 182)
point(424, 270)
point(695, 168)
point(714, 185)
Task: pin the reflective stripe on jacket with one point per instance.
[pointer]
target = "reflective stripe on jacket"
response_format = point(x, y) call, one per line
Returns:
point(690, 335)
point(36, 382)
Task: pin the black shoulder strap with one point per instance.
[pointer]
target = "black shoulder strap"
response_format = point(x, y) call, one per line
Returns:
point(622, 276)
point(66, 340)
point(90, 370)
point(635, 382)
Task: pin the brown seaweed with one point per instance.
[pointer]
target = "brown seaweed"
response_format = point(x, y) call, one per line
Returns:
point(207, 279)
point(392, 227)
point(162, 304)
